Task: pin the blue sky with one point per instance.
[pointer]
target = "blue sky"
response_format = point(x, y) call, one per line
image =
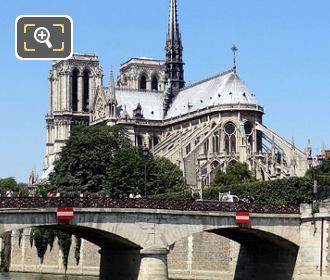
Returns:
point(283, 58)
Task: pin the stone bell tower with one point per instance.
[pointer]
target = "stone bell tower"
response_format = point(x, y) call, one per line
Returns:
point(73, 84)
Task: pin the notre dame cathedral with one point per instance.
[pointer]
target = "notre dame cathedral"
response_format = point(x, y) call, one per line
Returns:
point(202, 127)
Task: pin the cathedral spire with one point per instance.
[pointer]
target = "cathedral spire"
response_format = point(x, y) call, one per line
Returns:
point(112, 96)
point(112, 91)
point(111, 81)
point(174, 64)
point(173, 30)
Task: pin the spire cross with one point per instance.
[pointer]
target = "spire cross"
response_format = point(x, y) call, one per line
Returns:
point(234, 49)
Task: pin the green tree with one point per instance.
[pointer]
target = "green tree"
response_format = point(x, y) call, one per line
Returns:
point(235, 173)
point(85, 158)
point(10, 183)
point(101, 160)
point(284, 191)
point(321, 174)
point(125, 174)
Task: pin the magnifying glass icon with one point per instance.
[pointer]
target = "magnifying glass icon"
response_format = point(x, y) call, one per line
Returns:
point(41, 35)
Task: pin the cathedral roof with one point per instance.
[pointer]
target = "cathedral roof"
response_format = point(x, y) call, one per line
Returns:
point(223, 89)
point(151, 103)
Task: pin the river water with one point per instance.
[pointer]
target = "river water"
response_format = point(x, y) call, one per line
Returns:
point(31, 276)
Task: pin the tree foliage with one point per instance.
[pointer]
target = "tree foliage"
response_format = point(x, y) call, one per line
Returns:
point(285, 191)
point(235, 173)
point(321, 174)
point(100, 160)
point(294, 190)
point(10, 183)
point(125, 174)
point(85, 157)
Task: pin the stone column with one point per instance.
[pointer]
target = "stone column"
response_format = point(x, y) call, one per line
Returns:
point(50, 95)
point(148, 84)
point(119, 264)
point(63, 91)
point(59, 92)
point(153, 264)
point(56, 94)
point(80, 93)
point(221, 140)
point(90, 92)
point(254, 142)
point(68, 91)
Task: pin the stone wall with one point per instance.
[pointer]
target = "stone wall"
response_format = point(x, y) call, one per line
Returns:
point(24, 258)
point(313, 261)
point(201, 256)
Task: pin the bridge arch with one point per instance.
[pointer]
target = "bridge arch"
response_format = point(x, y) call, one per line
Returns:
point(120, 258)
point(101, 238)
point(261, 254)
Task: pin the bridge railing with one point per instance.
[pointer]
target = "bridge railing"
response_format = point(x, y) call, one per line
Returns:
point(167, 204)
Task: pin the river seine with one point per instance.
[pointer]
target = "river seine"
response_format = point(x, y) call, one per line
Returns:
point(30, 276)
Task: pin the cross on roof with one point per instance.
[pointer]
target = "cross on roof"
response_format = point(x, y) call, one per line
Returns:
point(234, 49)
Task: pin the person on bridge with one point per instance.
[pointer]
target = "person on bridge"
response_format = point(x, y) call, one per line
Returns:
point(9, 193)
point(138, 195)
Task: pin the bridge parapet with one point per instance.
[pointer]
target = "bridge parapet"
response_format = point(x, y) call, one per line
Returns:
point(167, 204)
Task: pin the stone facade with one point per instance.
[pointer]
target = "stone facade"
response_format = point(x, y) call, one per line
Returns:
point(72, 84)
point(142, 74)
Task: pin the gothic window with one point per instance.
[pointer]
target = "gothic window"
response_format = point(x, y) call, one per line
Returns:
point(86, 91)
point(206, 146)
point(216, 142)
point(156, 140)
point(154, 85)
point(74, 90)
point(153, 141)
point(139, 140)
point(259, 141)
point(143, 83)
point(230, 138)
point(188, 149)
point(248, 132)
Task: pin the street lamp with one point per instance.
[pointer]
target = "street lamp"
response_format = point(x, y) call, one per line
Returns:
point(145, 153)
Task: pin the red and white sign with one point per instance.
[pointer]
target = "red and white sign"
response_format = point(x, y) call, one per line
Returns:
point(64, 214)
point(242, 218)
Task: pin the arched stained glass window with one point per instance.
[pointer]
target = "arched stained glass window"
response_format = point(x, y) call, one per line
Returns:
point(230, 138)
point(143, 83)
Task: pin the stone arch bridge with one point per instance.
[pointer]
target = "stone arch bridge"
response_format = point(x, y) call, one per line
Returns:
point(135, 235)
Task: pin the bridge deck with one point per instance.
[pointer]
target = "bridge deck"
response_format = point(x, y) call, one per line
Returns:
point(167, 204)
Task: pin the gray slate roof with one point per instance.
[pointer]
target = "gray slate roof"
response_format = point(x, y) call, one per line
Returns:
point(223, 89)
point(151, 102)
